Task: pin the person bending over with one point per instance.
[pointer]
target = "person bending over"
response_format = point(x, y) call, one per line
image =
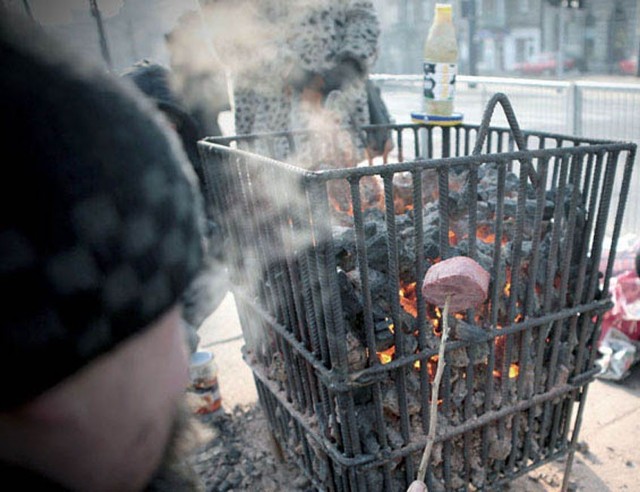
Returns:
point(100, 234)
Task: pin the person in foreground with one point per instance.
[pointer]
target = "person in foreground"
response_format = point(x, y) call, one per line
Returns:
point(100, 233)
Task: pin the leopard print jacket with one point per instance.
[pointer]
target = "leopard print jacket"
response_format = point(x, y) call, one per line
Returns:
point(272, 43)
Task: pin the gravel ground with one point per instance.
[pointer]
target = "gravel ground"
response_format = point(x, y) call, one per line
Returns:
point(240, 455)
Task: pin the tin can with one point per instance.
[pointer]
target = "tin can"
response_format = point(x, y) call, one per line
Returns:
point(203, 371)
point(205, 391)
point(207, 400)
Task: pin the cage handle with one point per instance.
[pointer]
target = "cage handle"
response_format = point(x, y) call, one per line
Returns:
point(518, 136)
point(483, 131)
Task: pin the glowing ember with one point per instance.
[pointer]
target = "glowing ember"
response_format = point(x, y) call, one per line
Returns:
point(371, 195)
point(514, 370)
point(437, 322)
point(341, 204)
point(409, 299)
point(401, 206)
point(507, 289)
point(386, 356)
point(431, 366)
point(487, 236)
point(507, 285)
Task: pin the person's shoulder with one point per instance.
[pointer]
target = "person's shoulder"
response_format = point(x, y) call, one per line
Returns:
point(146, 68)
point(153, 79)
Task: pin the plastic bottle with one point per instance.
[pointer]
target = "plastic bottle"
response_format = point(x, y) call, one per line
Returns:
point(440, 63)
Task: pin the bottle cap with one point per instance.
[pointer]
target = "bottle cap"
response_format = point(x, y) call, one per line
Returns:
point(443, 12)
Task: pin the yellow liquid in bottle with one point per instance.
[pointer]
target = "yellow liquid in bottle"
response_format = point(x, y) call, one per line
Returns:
point(440, 63)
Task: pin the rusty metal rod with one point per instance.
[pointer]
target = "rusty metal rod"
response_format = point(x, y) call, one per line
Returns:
point(374, 460)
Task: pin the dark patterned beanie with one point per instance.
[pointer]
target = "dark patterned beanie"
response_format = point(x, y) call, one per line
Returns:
point(100, 224)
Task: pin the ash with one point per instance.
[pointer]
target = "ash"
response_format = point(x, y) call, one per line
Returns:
point(240, 454)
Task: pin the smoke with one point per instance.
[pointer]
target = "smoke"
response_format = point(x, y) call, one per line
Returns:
point(61, 11)
point(246, 43)
point(222, 40)
point(249, 42)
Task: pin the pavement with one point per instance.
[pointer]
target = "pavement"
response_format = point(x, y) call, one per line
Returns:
point(611, 430)
point(610, 435)
point(221, 334)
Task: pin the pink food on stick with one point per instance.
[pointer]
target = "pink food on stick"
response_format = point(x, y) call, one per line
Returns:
point(461, 279)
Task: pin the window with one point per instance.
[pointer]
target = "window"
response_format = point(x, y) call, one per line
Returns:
point(492, 11)
point(410, 19)
point(525, 49)
point(521, 50)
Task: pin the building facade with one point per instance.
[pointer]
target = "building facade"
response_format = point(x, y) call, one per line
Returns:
point(493, 35)
point(503, 33)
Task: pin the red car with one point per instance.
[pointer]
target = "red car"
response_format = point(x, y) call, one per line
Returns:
point(544, 64)
point(629, 66)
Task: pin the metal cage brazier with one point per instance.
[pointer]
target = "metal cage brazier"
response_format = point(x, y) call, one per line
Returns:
point(327, 261)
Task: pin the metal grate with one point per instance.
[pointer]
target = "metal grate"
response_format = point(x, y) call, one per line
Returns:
point(327, 266)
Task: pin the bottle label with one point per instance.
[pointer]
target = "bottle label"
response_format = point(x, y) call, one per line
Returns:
point(439, 81)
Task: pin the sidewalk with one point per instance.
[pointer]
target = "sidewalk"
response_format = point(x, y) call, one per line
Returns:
point(221, 334)
point(609, 459)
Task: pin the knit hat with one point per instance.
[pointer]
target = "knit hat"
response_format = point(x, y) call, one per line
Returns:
point(100, 221)
point(154, 80)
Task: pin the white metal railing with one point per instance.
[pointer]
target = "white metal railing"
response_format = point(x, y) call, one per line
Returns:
point(584, 109)
point(587, 109)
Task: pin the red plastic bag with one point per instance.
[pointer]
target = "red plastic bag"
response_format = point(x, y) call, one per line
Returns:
point(625, 313)
point(628, 248)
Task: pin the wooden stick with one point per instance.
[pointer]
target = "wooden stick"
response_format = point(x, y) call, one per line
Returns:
point(433, 413)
